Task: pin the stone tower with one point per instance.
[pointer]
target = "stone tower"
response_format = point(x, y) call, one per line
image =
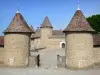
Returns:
point(17, 42)
point(46, 31)
point(79, 42)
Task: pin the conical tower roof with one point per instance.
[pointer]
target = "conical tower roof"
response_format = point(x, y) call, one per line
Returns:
point(31, 27)
point(78, 23)
point(18, 24)
point(46, 23)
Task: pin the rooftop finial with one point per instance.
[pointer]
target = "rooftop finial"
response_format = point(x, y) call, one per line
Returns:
point(78, 5)
point(18, 10)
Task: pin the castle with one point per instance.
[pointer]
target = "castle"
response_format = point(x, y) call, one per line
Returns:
point(46, 37)
point(80, 41)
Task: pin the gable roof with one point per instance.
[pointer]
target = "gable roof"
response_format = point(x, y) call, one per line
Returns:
point(46, 23)
point(18, 24)
point(78, 23)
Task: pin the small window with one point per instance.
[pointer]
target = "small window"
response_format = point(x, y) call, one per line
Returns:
point(63, 45)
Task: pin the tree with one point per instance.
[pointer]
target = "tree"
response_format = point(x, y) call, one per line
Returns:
point(94, 22)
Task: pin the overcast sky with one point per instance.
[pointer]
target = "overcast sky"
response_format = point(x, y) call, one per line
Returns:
point(59, 12)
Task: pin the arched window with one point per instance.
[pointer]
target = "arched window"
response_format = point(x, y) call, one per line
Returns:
point(63, 45)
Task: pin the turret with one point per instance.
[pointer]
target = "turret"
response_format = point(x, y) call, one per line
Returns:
point(79, 42)
point(17, 42)
point(46, 31)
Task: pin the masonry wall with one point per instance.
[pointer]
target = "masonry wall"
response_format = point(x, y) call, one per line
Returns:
point(79, 50)
point(45, 33)
point(55, 42)
point(1, 55)
point(16, 49)
point(32, 44)
point(96, 51)
point(35, 44)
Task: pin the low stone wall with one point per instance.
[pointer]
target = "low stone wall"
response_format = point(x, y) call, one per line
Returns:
point(61, 61)
point(96, 52)
point(1, 55)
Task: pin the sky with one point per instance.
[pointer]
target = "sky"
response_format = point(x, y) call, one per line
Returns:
point(59, 12)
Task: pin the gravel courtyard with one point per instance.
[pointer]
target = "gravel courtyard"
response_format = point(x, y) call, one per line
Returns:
point(41, 71)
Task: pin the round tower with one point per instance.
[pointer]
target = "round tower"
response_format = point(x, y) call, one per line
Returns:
point(46, 31)
point(79, 42)
point(17, 42)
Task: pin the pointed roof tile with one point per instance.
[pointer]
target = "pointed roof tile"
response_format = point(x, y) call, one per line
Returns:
point(78, 23)
point(46, 23)
point(18, 24)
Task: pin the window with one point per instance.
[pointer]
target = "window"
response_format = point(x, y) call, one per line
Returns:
point(63, 45)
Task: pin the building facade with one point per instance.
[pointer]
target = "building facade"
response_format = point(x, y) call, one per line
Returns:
point(46, 37)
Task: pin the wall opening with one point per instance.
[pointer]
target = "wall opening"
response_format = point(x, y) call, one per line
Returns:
point(38, 60)
point(63, 45)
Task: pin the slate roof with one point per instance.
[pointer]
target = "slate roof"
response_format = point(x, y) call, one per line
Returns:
point(57, 32)
point(1, 40)
point(78, 23)
point(18, 24)
point(46, 23)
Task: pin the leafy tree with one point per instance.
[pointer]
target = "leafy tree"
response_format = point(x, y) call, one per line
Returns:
point(94, 22)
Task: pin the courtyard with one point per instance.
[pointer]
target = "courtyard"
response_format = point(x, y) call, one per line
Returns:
point(43, 71)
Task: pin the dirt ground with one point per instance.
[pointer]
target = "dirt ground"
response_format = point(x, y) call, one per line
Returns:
point(42, 71)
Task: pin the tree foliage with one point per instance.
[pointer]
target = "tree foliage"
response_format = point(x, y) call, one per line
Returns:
point(94, 22)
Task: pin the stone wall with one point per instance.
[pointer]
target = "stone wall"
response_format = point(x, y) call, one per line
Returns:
point(16, 49)
point(50, 43)
point(61, 61)
point(34, 61)
point(96, 51)
point(55, 42)
point(35, 44)
point(45, 33)
point(79, 50)
point(1, 55)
